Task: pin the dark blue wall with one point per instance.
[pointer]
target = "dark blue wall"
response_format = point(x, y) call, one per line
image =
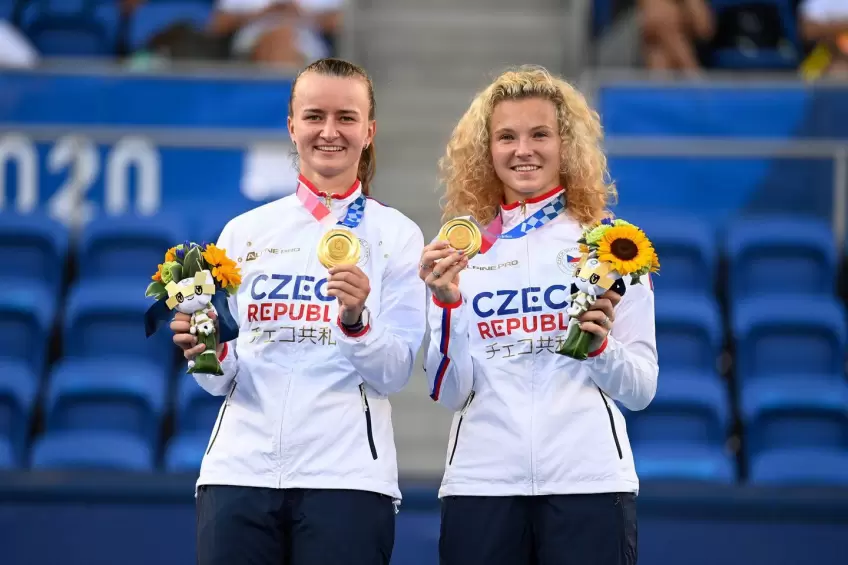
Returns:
point(50, 518)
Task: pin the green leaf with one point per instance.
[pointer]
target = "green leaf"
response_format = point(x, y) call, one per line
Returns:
point(156, 290)
point(576, 343)
point(635, 279)
point(232, 289)
point(193, 262)
point(176, 271)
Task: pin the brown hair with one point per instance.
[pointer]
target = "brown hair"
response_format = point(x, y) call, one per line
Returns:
point(340, 68)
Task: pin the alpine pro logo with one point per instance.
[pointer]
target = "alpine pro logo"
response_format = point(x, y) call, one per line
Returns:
point(568, 259)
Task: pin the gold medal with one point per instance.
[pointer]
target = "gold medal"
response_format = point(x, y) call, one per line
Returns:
point(338, 247)
point(463, 235)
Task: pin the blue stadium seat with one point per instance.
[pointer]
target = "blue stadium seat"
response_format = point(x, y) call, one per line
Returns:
point(27, 315)
point(795, 412)
point(92, 450)
point(74, 27)
point(184, 453)
point(688, 330)
point(38, 248)
point(106, 316)
point(681, 435)
point(153, 17)
point(197, 410)
point(602, 16)
point(128, 246)
point(70, 28)
point(673, 462)
point(801, 467)
point(789, 335)
point(117, 395)
point(7, 9)
point(7, 455)
point(786, 56)
point(686, 246)
point(771, 255)
point(688, 409)
point(18, 388)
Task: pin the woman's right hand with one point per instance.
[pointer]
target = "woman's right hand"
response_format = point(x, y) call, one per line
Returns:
point(439, 269)
point(185, 340)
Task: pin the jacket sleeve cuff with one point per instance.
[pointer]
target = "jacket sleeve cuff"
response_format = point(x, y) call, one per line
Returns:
point(447, 305)
point(601, 349)
point(356, 334)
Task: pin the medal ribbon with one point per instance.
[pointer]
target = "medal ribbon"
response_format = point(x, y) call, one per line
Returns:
point(324, 215)
point(492, 232)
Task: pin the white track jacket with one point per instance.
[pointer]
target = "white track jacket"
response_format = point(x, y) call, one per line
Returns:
point(529, 421)
point(307, 405)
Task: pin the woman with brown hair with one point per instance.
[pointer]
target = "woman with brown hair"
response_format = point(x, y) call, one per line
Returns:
point(301, 466)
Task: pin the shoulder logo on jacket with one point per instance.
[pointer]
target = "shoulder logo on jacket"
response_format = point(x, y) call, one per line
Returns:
point(568, 259)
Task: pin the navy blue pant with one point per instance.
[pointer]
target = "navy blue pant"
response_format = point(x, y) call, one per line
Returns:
point(579, 529)
point(263, 526)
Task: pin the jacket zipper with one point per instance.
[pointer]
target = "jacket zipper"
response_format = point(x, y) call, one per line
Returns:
point(368, 428)
point(532, 368)
point(221, 418)
point(612, 423)
point(459, 426)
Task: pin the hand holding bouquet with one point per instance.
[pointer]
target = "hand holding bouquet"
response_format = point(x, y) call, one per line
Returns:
point(611, 250)
point(196, 280)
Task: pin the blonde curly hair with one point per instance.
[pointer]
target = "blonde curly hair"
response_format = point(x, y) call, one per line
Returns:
point(471, 185)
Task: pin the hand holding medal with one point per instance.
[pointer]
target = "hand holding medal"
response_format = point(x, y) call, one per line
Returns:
point(339, 251)
point(459, 240)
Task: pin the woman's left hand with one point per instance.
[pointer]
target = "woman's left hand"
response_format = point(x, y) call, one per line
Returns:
point(351, 287)
point(600, 317)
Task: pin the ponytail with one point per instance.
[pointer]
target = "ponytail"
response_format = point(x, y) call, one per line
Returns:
point(367, 168)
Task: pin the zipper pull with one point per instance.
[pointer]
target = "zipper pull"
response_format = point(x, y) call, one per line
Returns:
point(362, 398)
point(467, 404)
point(328, 201)
point(524, 208)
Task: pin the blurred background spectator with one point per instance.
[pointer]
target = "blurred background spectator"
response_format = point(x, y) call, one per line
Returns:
point(674, 32)
point(15, 49)
point(824, 23)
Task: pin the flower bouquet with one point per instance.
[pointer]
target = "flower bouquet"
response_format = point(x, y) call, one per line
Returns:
point(196, 279)
point(611, 250)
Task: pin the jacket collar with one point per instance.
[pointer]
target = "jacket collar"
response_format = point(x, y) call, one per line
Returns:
point(516, 212)
point(334, 201)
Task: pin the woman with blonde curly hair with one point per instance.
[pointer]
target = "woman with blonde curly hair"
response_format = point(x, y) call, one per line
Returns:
point(538, 468)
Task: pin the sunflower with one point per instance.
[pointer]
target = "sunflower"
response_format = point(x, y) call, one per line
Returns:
point(626, 249)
